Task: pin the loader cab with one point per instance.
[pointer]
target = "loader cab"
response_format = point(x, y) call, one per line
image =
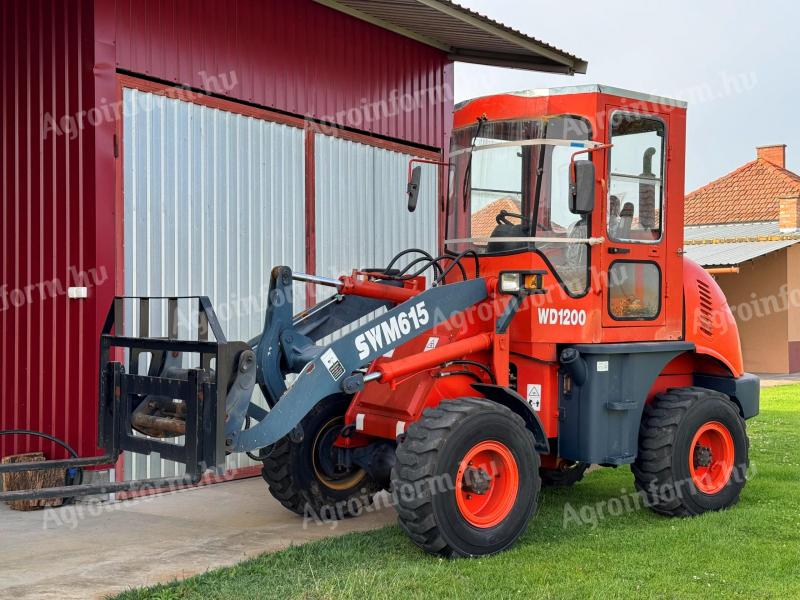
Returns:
point(614, 271)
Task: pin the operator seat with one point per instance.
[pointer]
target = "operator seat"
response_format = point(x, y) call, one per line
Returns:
point(625, 222)
point(613, 215)
point(504, 230)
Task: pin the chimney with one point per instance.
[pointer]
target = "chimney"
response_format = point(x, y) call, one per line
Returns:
point(775, 154)
point(789, 220)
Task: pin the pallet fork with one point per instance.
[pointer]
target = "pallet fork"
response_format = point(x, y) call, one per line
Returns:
point(123, 393)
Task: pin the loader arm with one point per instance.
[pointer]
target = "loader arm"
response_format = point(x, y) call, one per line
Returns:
point(333, 369)
point(288, 340)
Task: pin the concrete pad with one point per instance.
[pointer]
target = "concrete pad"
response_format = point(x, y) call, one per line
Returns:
point(772, 380)
point(90, 551)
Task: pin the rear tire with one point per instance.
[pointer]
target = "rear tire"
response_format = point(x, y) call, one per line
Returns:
point(300, 477)
point(693, 452)
point(466, 481)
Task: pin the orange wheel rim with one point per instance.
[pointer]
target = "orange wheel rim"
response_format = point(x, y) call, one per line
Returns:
point(487, 482)
point(711, 457)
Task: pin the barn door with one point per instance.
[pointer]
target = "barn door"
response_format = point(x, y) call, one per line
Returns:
point(212, 201)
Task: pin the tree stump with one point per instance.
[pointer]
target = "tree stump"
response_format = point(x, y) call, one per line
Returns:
point(32, 480)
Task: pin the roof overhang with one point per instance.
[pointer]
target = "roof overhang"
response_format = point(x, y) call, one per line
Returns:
point(732, 254)
point(465, 35)
point(731, 244)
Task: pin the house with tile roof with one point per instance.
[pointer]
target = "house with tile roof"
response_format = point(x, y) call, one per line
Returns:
point(744, 229)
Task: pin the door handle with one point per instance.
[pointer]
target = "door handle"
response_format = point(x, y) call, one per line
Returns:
point(614, 250)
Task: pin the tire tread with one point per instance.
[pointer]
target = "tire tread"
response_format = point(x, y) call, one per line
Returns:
point(416, 462)
point(658, 430)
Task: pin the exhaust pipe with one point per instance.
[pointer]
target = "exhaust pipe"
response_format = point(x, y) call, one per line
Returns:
point(574, 365)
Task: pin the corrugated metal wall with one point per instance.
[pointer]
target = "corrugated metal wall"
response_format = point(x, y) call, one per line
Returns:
point(361, 214)
point(48, 344)
point(362, 219)
point(213, 200)
point(298, 56)
point(58, 216)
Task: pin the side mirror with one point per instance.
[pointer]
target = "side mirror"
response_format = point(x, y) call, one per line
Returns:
point(413, 188)
point(581, 189)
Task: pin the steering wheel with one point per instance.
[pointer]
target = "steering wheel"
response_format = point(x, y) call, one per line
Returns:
point(502, 218)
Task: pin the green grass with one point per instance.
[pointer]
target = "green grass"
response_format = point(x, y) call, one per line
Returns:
point(750, 551)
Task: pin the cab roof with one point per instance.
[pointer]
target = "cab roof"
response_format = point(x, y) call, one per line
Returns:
point(592, 88)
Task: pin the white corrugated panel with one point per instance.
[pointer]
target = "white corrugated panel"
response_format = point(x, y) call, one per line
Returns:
point(362, 219)
point(726, 254)
point(361, 214)
point(213, 200)
point(731, 231)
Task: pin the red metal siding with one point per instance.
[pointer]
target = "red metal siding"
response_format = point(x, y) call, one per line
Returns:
point(298, 56)
point(58, 59)
point(47, 342)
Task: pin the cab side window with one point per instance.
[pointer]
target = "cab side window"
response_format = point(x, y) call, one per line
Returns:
point(634, 290)
point(636, 184)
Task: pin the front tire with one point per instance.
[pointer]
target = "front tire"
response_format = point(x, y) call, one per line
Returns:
point(466, 479)
point(693, 452)
point(302, 475)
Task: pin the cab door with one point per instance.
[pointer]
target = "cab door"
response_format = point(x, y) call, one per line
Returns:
point(633, 255)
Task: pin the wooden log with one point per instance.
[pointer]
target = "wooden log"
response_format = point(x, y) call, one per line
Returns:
point(32, 480)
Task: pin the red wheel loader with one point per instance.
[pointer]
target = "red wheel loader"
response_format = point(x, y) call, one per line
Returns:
point(560, 326)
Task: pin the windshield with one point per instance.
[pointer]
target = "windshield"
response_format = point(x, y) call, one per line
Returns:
point(517, 185)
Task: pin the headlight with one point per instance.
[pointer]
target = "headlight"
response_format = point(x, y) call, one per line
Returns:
point(509, 283)
point(521, 282)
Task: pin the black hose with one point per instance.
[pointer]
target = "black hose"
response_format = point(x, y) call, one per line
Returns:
point(465, 372)
point(453, 263)
point(440, 272)
point(46, 436)
point(401, 254)
point(69, 479)
point(473, 363)
point(457, 261)
point(428, 264)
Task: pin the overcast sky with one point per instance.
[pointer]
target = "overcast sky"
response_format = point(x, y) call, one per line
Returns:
point(736, 62)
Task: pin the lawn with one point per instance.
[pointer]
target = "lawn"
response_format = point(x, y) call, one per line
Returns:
point(750, 551)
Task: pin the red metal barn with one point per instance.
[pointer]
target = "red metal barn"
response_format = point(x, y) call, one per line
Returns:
point(185, 147)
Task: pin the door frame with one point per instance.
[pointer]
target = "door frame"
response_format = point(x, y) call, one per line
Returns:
point(642, 252)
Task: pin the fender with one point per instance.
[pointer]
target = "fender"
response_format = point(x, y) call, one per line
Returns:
point(744, 391)
point(516, 403)
point(599, 417)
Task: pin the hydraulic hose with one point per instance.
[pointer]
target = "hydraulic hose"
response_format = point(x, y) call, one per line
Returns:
point(73, 474)
point(457, 262)
point(401, 254)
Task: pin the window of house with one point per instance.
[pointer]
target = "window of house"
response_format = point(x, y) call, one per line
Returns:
point(636, 184)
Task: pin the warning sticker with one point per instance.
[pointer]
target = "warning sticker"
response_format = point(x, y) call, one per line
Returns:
point(432, 343)
point(535, 396)
point(331, 362)
point(602, 366)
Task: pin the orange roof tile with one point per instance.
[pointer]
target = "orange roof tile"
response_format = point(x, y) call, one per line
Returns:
point(750, 193)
